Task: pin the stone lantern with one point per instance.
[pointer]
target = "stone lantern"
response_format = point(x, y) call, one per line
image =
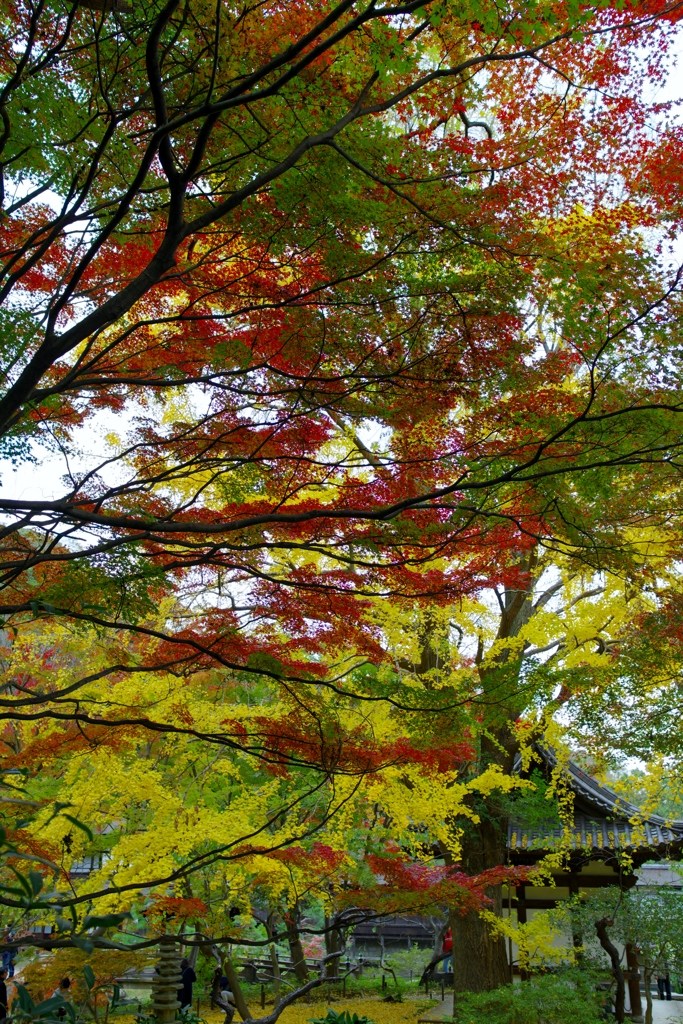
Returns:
point(166, 983)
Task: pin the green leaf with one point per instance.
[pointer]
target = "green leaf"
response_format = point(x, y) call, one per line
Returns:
point(262, 661)
point(49, 1007)
point(17, 854)
point(25, 1001)
point(79, 824)
point(11, 889)
point(36, 880)
point(89, 975)
point(23, 881)
point(85, 944)
point(105, 921)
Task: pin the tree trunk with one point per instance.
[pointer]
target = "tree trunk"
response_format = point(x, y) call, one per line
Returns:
point(439, 935)
point(648, 996)
point(226, 967)
point(333, 943)
point(634, 982)
point(276, 973)
point(234, 982)
point(613, 953)
point(295, 947)
point(437, 956)
point(192, 952)
point(275, 963)
point(480, 960)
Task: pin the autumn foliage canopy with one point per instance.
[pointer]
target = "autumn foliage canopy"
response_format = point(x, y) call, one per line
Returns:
point(330, 320)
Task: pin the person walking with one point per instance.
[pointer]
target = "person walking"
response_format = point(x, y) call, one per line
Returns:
point(188, 978)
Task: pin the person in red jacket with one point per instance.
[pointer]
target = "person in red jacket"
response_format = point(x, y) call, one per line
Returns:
point(447, 947)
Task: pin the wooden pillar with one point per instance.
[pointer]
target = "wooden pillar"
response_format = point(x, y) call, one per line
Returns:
point(577, 937)
point(521, 919)
point(521, 904)
point(510, 925)
point(634, 983)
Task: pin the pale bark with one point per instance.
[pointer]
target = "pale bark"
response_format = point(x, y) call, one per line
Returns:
point(234, 982)
point(275, 963)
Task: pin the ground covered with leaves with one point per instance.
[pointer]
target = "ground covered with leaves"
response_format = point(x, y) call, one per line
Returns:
point(376, 1010)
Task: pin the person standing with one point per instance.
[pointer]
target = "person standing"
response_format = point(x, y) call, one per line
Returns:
point(188, 979)
point(664, 985)
point(447, 947)
point(63, 990)
point(8, 955)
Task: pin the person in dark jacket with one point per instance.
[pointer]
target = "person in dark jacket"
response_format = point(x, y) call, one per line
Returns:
point(664, 985)
point(189, 978)
point(3, 994)
point(222, 996)
point(8, 955)
point(63, 990)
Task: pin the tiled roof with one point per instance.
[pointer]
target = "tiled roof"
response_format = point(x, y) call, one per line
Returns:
point(602, 821)
point(597, 834)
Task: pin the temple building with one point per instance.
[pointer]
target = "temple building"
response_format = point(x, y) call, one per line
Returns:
point(604, 827)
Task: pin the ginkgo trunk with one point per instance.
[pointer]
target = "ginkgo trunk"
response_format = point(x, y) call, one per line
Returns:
point(480, 960)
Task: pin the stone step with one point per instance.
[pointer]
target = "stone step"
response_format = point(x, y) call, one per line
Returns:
point(439, 1012)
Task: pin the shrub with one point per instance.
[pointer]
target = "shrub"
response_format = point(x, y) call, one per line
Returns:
point(571, 998)
point(332, 1017)
point(413, 959)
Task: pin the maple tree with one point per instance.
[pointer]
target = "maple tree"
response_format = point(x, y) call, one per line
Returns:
point(261, 238)
point(253, 299)
point(43, 977)
point(275, 797)
point(233, 831)
point(196, 835)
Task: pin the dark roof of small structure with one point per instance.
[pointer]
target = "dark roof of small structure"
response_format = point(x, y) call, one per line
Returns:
point(603, 822)
point(396, 926)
